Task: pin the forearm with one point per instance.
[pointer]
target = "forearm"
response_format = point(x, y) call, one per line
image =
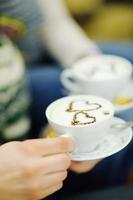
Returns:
point(62, 36)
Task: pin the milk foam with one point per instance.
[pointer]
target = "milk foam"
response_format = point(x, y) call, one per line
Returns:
point(65, 110)
point(103, 67)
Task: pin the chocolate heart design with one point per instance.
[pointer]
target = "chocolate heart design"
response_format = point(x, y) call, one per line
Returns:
point(77, 119)
point(86, 106)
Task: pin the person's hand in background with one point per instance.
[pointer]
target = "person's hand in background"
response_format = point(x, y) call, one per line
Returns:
point(33, 169)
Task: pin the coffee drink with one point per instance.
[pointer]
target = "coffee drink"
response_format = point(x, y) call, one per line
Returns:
point(103, 68)
point(80, 111)
point(85, 118)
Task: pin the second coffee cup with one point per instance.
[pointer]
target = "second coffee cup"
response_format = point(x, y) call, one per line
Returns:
point(103, 75)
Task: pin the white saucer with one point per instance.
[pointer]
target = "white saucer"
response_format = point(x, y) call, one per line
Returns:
point(112, 143)
point(126, 92)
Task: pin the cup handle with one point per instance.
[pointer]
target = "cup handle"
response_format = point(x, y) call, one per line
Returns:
point(66, 81)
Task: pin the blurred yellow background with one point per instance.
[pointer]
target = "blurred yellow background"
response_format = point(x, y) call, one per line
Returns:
point(104, 20)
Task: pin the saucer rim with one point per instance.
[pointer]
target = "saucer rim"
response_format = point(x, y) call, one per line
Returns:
point(84, 158)
point(120, 109)
point(123, 108)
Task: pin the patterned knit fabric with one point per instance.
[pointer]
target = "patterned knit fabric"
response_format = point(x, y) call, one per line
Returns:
point(20, 20)
point(14, 100)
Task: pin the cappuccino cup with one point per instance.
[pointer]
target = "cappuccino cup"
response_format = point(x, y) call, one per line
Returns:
point(102, 75)
point(85, 118)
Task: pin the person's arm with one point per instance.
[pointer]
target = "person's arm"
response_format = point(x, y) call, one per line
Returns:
point(63, 37)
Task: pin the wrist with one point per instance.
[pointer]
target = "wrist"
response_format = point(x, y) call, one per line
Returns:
point(84, 55)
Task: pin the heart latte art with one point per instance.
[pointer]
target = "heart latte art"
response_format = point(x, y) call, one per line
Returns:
point(79, 120)
point(81, 110)
point(81, 116)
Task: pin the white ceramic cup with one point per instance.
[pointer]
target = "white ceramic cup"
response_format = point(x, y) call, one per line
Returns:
point(87, 136)
point(75, 81)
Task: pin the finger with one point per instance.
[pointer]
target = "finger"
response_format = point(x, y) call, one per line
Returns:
point(55, 178)
point(85, 163)
point(81, 167)
point(46, 192)
point(54, 163)
point(45, 165)
point(48, 146)
point(49, 180)
point(42, 185)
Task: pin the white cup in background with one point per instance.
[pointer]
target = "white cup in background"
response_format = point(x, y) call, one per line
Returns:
point(102, 75)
